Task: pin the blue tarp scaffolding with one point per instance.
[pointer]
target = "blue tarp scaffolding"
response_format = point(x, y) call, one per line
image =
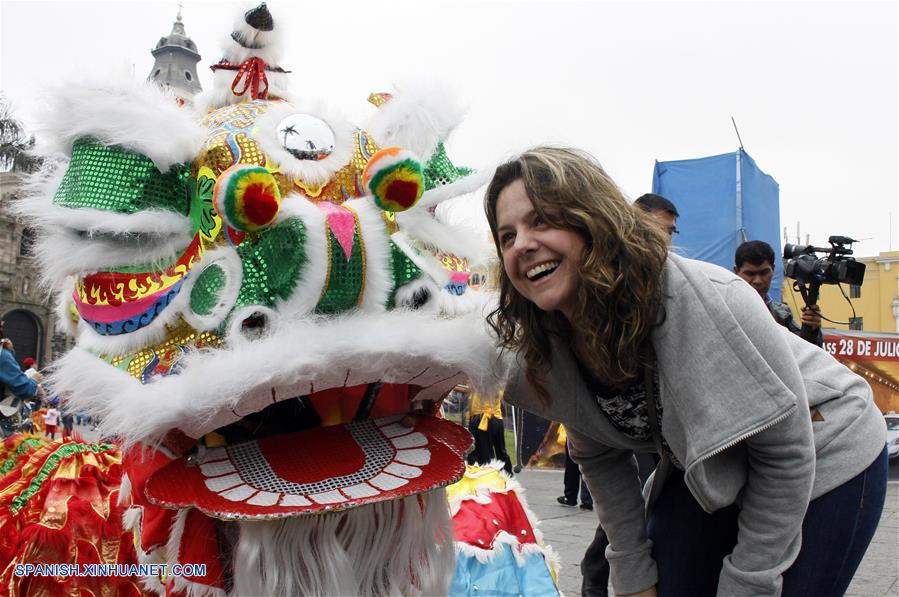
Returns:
point(722, 200)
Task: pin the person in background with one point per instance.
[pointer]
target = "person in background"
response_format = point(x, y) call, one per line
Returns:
point(68, 423)
point(754, 262)
point(11, 376)
point(773, 464)
point(31, 369)
point(51, 421)
point(489, 432)
point(574, 484)
point(662, 210)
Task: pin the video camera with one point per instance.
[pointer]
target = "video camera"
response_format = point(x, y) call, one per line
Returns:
point(807, 269)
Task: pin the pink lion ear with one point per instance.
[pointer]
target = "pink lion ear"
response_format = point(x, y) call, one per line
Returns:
point(394, 179)
point(247, 197)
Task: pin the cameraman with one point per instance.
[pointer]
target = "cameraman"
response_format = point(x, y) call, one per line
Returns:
point(754, 262)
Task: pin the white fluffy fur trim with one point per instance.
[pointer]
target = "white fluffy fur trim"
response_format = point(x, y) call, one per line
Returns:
point(456, 240)
point(378, 269)
point(444, 303)
point(406, 293)
point(62, 252)
point(519, 551)
point(270, 48)
point(265, 133)
point(156, 555)
point(397, 547)
point(124, 493)
point(269, 43)
point(221, 94)
point(226, 259)
point(173, 545)
point(451, 305)
point(483, 492)
point(314, 272)
point(482, 495)
point(417, 117)
point(217, 387)
point(242, 339)
point(425, 262)
point(131, 518)
point(183, 585)
point(137, 116)
point(463, 186)
point(151, 222)
point(62, 300)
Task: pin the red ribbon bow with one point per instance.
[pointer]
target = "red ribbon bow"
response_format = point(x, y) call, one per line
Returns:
point(252, 71)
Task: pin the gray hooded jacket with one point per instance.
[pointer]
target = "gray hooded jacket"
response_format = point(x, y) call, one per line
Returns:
point(736, 390)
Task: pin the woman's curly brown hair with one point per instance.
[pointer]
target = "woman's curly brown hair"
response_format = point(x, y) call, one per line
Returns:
point(619, 293)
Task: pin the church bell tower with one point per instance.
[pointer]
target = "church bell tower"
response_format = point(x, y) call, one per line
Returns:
point(176, 63)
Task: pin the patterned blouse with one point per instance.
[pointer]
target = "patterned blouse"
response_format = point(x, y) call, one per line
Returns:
point(626, 408)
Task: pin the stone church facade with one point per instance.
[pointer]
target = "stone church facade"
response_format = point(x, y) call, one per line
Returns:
point(25, 307)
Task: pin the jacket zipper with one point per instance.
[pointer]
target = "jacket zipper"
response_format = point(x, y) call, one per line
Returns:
point(746, 436)
point(731, 444)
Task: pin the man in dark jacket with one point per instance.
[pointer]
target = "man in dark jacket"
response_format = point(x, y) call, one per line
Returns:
point(754, 262)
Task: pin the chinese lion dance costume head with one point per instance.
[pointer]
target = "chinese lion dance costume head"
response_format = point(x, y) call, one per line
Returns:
point(267, 311)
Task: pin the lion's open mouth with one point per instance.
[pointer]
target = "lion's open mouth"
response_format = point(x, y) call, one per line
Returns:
point(327, 451)
point(307, 401)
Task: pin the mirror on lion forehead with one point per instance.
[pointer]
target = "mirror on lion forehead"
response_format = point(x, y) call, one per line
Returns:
point(306, 137)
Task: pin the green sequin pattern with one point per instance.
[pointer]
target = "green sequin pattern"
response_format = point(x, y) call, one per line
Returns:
point(404, 271)
point(440, 170)
point(205, 293)
point(272, 261)
point(113, 179)
point(346, 278)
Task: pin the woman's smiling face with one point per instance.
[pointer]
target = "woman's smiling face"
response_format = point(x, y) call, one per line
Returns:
point(541, 261)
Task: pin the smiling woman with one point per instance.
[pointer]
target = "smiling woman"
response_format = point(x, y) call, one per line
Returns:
point(637, 350)
point(543, 209)
point(542, 261)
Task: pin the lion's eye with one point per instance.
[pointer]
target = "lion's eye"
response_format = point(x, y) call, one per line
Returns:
point(306, 137)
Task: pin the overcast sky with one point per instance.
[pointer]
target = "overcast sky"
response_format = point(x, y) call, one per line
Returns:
point(812, 85)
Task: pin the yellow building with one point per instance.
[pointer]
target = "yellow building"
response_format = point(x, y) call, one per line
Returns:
point(872, 348)
point(876, 301)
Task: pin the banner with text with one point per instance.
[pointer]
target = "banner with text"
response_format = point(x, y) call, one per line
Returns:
point(874, 356)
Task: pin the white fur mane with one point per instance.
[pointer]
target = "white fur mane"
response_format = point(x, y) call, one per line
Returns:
point(137, 116)
point(219, 386)
point(398, 547)
point(417, 118)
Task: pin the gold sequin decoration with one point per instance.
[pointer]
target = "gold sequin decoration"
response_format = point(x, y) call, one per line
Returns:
point(229, 142)
point(344, 186)
point(378, 99)
point(181, 333)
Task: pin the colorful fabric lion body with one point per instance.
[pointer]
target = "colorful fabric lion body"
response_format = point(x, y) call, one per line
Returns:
point(499, 547)
point(59, 505)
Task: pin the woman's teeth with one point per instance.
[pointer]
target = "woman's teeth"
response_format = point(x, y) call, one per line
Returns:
point(541, 270)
